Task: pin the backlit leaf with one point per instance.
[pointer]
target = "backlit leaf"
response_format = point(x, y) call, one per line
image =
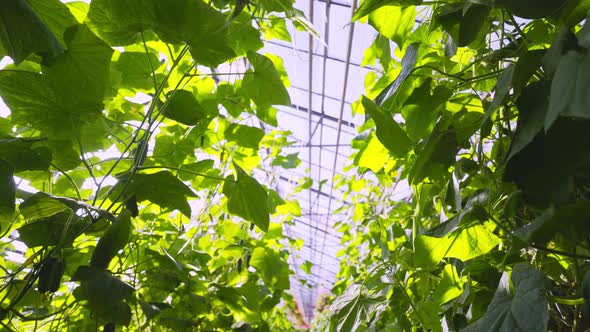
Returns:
point(247, 199)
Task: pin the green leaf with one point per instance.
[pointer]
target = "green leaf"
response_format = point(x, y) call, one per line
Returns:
point(436, 156)
point(162, 188)
point(136, 69)
point(41, 205)
point(247, 199)
point(50, 230)
point(389, 132)
point(289, 161)
point(105, 294)
point(526, 66)
point(500, 92)
point(422, 108)
point(7, 193)
point(354, 309)
point(271, 268)
point(474, 18)
point(85, 65)
point(263, 84)
point(381, 20)
point(463, 244)
point(570, 89)
point(369, 6)
point(242, 36)
point(190, 21)
point(55, 15)
point(532, 8)
point(408, 62)
point(450, 286)
point(22, 32)
point(113, 240)
point(306, 267)
point(531, 116)
point(522, 307)
point(246, 136)
point(183, 107)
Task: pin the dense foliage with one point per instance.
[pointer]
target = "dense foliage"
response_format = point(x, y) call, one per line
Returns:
point(127, 194)
point(486, 118)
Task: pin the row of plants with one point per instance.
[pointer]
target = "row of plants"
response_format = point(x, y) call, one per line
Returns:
point(483, 112)
point(128, 199)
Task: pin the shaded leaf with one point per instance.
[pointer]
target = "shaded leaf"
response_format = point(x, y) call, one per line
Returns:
point(49, 231)
point(22, 32)
point(113, 240)
point(522, 307)
point(7, 193)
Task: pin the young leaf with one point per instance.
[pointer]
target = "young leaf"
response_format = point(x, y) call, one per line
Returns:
point(247, 199)
point(115, 239)
point(7, 193)
point(389, 133)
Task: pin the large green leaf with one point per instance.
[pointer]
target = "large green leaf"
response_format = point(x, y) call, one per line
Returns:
point(436, 156)
point(520, 307)
point(369, 6)
point(51, 230)
point(408, 62)
point(570, 89)
point(246, 136)
point(389, 132)
point(105, 294)
point(25, 154)
point(463, 244)
point(162, 188)
point(83, 67)
point(112, 241)
point(7, 193)
point(474, 18)
point(532, 8)
point(263, 84)
point(183, 107)
point(271, 268)
point(136, 69)
point(193, 22)
point(354, 309)
point(55, 15)
point(22, 32)
point(422, 108)
point(404, 19)
point(247, 198)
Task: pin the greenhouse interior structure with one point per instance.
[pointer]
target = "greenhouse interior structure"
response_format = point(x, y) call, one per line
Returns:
point(295, 165)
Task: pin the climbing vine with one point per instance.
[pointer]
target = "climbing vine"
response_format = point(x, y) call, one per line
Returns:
point(132, 192)
point(471, 199)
